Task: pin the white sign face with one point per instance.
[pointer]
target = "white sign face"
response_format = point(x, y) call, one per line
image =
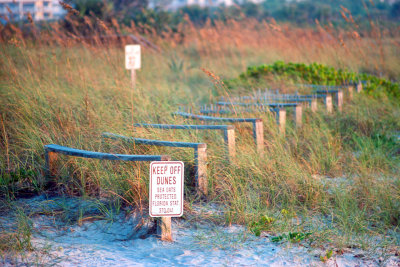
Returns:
point(132, 57)
point(166, 188)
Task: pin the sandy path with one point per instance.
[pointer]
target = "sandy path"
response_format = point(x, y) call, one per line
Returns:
point(104, 243)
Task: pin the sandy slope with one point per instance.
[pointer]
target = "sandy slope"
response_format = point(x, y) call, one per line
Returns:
point(111, 243)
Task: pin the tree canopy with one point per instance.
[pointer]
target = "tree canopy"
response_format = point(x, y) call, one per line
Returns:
point(299, 12)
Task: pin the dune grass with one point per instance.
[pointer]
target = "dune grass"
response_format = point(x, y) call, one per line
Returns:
point(336, 177)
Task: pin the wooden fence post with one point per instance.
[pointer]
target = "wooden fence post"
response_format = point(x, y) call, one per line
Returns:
point(314, 105)
point(328, 103)
point(359, 87)
point(350, 90)
point(298, 113)
point(258, 133)
point(200, 154)
point(50, 158)
point(46, 163)
point(281, 118)
point(229, 135)
point(339, 100)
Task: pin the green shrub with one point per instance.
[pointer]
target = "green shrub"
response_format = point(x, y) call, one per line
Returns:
point(315, 74)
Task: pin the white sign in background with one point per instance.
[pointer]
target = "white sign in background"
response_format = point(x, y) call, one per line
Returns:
point(166, 188)
point(132, 57)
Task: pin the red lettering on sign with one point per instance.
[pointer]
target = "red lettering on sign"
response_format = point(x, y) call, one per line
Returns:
point(166, 180)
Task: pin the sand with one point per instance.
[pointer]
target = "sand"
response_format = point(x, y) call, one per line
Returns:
point(113, 242)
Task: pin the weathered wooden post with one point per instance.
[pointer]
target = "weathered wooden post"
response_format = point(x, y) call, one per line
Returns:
point(258, 133)
point(298, 113)
point(281, 120)
point(359, 87)
point(229, 136)
point(339, 100)
point(350, 90)
point(132, 61)
point(50, 158)
point(328, 103)
point(314, 105)
point(200, 155)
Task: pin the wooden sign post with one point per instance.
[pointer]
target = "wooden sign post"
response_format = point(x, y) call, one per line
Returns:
point(166, 194)
point(132, 61)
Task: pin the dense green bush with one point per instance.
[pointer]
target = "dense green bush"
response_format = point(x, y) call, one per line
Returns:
point(316, 74)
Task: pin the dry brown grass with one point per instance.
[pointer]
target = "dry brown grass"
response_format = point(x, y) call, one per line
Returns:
point(234, 42)
point(57, 87)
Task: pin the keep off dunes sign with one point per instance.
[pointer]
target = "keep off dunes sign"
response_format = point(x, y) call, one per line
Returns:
point(166, 188)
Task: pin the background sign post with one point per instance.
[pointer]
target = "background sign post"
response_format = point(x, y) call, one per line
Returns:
point(132, 60)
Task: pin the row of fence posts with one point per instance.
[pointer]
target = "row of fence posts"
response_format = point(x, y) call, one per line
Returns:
point(259, 101)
